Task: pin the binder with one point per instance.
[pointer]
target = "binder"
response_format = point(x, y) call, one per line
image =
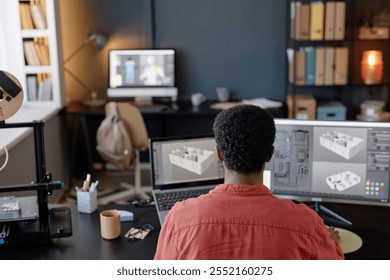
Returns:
point(317, 20)
point(340, 9)
point(341, 66)
point(329, 20)
point(310, 65)
point(329, 66)
point(292, 20)
point(302, 21)
point(300, 67)
point(320, 64)
point(290, 59)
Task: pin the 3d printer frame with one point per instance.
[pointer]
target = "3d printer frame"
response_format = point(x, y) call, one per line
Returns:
point(46, 225)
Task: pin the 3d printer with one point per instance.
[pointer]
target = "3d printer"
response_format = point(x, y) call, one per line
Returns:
point(29, 219)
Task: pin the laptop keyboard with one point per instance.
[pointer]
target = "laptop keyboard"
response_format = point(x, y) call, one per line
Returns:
point(166, 200)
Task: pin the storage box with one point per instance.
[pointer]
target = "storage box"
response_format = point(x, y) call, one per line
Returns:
point(305, 106)
point(374, 33)
point(331, 111)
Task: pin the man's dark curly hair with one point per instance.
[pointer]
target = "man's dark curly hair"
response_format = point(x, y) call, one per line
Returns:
point(245, 135)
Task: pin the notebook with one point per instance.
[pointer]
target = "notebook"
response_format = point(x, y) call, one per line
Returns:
point(182, 167)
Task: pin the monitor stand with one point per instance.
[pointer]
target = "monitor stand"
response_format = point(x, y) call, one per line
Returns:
point(322, 209)
point(143, 101)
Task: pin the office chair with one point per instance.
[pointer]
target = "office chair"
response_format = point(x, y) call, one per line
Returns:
point(135, 125)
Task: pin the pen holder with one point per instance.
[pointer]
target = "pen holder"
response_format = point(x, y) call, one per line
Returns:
point(86, 201)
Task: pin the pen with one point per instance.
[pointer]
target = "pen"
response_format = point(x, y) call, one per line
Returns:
point(94, 185)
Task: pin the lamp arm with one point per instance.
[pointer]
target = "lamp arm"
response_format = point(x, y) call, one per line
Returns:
point(77, 80)
point(83, 45)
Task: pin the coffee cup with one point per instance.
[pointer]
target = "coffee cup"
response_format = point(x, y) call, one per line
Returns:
point(110, 224)
point(197, 99)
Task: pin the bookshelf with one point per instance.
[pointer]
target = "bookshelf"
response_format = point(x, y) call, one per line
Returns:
point(324, 52)
point(38, 39)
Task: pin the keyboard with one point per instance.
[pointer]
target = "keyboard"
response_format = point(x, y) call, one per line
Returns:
point(152, 108)
point(166, 200)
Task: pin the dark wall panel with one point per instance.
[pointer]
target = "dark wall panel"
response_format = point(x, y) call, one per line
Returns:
point(236, 44)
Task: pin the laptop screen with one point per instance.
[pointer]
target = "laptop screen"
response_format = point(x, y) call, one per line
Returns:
point(185, 161)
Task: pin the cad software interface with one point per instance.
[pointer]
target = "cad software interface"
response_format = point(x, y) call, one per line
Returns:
point(185, 160)
point(332, 162)
point(141, 68)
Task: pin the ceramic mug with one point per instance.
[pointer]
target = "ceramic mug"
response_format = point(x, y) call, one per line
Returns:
point(197, 99)
point(110, 224)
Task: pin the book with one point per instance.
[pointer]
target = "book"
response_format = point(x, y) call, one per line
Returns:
point(30, 53)
point(38, 16)
point(317, 20)
point(320, 61)
point(292, 20)
point(25, 16)
point(329, 20)
point(300, 67)
point(302, 21)
point(290, 59)
point(341, 66)
point(328, 66)
point(339, 26)
point(32, 87)
point(310, 53)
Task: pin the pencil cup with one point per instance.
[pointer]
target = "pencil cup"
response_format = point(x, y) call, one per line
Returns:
point(110, 224)
point(86, 201)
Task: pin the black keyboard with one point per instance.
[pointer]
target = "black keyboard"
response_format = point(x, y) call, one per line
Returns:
point(166, 200)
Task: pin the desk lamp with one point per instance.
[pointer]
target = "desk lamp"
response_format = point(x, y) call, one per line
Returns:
point(98, 41)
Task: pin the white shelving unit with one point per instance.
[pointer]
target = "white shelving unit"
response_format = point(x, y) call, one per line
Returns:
point(44, 42)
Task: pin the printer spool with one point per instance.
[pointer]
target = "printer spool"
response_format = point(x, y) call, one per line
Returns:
point(11, 95)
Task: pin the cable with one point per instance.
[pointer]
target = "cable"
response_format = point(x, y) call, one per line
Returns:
point(6, 157)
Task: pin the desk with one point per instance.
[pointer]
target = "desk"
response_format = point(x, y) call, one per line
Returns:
point(369, 222)
point(86, 242)
point(184, 119)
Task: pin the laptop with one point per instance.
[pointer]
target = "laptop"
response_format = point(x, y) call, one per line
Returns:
point(182, 167)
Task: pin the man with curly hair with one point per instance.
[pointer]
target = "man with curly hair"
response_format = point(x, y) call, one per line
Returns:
point(242, 219)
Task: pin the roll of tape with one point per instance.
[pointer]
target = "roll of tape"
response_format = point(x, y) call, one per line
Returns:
point(11, 95)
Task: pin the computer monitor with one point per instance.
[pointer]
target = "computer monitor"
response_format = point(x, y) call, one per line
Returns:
point(339, 161)
point(142, 73)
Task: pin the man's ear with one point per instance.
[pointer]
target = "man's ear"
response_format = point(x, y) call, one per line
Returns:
point(219, 154)
point(270, 155)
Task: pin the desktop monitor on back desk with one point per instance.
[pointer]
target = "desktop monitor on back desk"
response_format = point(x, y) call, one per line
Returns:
point(332, 161)
point(142, 74)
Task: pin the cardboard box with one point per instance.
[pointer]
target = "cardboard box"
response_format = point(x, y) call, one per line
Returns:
point(374, 33)
point(331, 111)
point(304, 107)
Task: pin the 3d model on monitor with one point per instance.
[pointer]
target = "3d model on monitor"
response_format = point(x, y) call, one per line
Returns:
point(192, 159)
point(343, 180)
point(291, 158)
point(342, 144)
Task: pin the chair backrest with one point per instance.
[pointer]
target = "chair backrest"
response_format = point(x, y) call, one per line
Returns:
point(134, 121)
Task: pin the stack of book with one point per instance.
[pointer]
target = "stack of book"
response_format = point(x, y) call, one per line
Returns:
point(36, 51)
point(32, 15)
point(39, 87)
point(317, 20)
point(318, 66)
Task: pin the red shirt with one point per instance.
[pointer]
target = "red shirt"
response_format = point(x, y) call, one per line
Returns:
point(244, 222)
